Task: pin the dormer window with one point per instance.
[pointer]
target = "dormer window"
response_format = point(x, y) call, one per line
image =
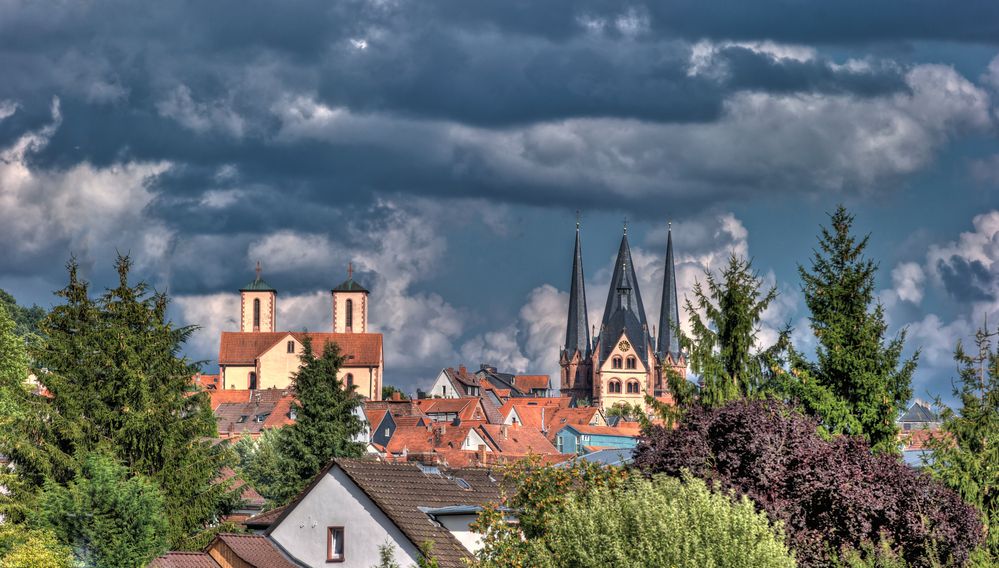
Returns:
point(242, 419)
point(262, 417)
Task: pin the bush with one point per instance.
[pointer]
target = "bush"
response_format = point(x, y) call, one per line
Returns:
point(830, 496)
point(659, 522)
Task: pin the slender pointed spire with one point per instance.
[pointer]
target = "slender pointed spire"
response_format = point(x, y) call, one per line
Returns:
point(624, 311)
point(669, 312)
point(577, 329)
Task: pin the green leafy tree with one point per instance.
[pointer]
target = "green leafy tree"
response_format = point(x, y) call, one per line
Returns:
point(661, 521)
point(110, 518)
point(117, 385)
point(721, 350)
point(966, 458)
point(261, 465)
point(855, 361)
point(326, 425)
point(389, 390)
point(26, 320)
point(25, 547)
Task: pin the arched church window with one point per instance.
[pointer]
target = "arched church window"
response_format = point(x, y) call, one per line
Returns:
point(632, 362)
point(616, 362)
point(634, 387)
point(252, 380)
point(256, 314)
point(350, 314)
point(350, 377)
point(614, 386)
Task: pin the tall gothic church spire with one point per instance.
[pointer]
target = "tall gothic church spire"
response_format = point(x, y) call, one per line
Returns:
point(624, 311)
point(669, 312)
point(577, 329)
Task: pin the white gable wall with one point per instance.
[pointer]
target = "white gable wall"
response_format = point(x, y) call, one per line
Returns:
point(337, 501)
point(443, 387)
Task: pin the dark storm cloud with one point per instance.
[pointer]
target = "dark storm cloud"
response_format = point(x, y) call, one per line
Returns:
point(967, 281)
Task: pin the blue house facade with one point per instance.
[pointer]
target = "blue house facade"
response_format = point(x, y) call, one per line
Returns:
point(580, 439)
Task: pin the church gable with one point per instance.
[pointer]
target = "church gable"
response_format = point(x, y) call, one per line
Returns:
point(623, 356)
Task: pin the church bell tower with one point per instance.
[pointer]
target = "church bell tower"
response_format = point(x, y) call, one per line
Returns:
point(258, 304)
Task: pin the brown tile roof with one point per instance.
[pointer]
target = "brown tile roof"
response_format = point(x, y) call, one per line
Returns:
point(411, 421)
point(462, 376)
point(263, 520)
point(243, 348)
point(400, 489)
point(184, 560)
point(395, 407)
point(527, 383)
point(919, 438)
point(254, 549)
point(518, 439)
point(248, 494)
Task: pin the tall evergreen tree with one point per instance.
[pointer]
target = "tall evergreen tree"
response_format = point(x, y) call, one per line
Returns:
point(967, 457)
point(325, 424)
point(854, 359)
point(721, 350)
point(117, 385)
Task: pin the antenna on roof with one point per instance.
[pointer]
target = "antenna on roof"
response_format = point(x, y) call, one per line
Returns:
point(258, 270)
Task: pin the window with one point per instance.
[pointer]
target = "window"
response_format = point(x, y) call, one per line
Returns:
point(388, 432)
point(256, 314)
point(614, 386)
point(291, 347)
point(634, 387)
point(334, 544)
point(242, 419)
point(350, 380)
point(616, 362)
point(252, 380)
point(350, 314)
point(262, 417)
point(632, 362)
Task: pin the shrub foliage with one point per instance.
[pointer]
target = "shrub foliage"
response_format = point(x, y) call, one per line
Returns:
point(830, 495)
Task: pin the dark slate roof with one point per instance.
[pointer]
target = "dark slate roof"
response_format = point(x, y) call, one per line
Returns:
point(401, 489)
point(577, 329)
point(349, 285)
point(258, 285)
point(669, 313)
point(919, 412)
point(624, 311)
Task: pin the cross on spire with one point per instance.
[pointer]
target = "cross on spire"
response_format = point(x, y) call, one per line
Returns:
point(350, 270)
point(258, 270)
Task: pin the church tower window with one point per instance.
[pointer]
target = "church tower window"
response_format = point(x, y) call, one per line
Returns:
point(614, 386)
point(616, 362)
point(350, 314)
point(632, 362)
point(634, 387)
point(256, 314)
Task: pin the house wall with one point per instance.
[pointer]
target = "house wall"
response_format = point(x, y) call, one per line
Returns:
point(459, 527)
point(379, 436)
point(236, 376)
point(277, 367)
point(337, 501)
point(602, 395)
point(443, 388)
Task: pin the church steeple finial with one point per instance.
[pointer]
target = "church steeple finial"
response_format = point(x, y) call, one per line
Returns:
point(258, 270)
point(577, 329)
point(350, 270)
point(669, 311)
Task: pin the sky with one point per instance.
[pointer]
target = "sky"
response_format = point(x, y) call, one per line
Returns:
point(444, 147)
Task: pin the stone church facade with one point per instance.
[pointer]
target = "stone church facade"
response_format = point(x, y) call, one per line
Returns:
point(624, 361)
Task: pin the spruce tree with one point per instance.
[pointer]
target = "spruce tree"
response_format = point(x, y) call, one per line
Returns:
point(854, 359)
point(325, 424)
point(721, 350)
point(118, 385)
point(966, 458)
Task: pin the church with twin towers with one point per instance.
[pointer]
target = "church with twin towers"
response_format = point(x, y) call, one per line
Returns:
point(625, 359)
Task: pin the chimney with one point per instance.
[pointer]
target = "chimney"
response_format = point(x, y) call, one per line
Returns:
point(481, 454)
point(462, 371)
point(396, 396)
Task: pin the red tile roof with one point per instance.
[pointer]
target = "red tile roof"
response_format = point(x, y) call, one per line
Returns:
point(233, 405)
point(184, 560)
point(527, 383)
point(248, 494)
point(517, 439)
point(254, 549)
point(243, 348)
point(467, 408)
point(918, 439)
